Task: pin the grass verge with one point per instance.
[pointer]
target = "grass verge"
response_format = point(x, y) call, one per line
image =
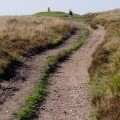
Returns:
point(39, 93)
point(105, 71)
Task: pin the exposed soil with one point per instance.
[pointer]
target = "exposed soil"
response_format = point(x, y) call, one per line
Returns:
point(14, 91)
point(69, 97)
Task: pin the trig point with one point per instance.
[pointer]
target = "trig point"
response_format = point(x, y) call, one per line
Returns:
point(48, 9)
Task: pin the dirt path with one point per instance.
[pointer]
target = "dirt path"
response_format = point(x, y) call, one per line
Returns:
point(69, 98)
point(14, 96)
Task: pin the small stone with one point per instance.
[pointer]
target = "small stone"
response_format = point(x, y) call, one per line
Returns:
point(70, 110)
point(7, 111)
point(65, 112)
point(42, 108)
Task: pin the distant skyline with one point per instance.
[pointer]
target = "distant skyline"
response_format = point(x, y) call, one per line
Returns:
point(27, 7)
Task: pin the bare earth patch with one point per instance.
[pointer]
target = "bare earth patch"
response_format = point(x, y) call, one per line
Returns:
point(69, 97)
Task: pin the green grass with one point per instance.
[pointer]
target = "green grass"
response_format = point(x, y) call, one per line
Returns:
point(52, 14)
point(58, 14)
point(40, 91)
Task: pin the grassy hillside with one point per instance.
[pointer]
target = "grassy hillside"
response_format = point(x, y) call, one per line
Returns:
point(58, 14)
point(22, 35)
point(52, 14)
point(105, 72)
point(109, 15)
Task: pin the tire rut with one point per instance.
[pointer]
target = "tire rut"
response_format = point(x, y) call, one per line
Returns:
point(69, 97)
point(27, 77)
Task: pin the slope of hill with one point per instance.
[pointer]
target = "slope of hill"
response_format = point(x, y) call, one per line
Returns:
point(22, 35)
point(58, 14)
point(52, 14)
point(20, 38)
point(105, 71)
point(109, 15)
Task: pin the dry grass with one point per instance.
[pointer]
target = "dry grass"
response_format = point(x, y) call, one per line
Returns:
point(105, 72)
point(109, 15)
point(19, 35)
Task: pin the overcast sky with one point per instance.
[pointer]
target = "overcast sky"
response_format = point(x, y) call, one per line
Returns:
point(27, 7)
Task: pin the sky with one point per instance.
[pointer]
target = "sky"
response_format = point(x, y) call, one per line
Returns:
point(27, 7)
